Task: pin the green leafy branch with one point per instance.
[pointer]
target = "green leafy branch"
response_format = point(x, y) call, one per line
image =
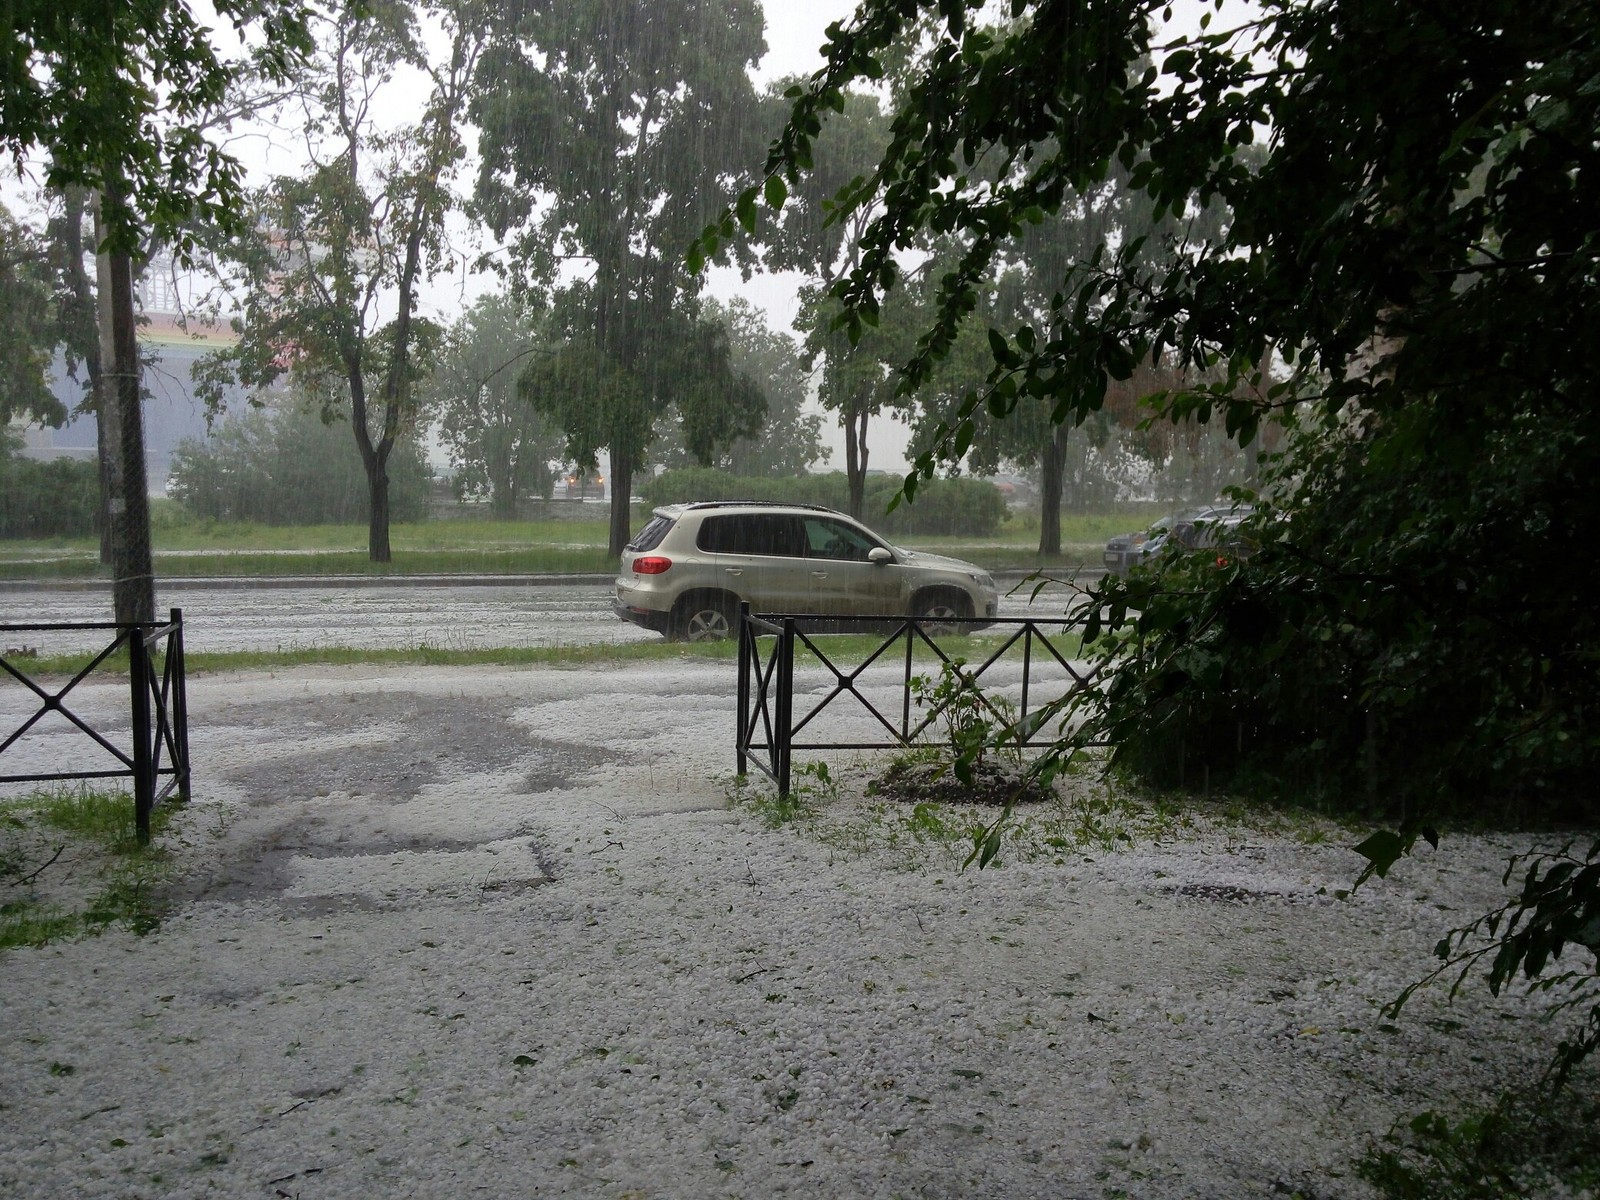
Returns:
point(1558, 908)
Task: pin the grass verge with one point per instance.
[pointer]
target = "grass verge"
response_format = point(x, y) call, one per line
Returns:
point(71, 864)
point(186, 547)
point(532, 560)
point(842, 648)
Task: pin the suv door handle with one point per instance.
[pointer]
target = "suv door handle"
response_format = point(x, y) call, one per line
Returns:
point(819, 574)
point(734, 570)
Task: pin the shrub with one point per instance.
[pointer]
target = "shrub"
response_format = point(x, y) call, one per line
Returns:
point(961, 507)
point(58, 498)
point(286, 467)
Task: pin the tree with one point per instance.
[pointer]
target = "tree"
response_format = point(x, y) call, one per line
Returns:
point(813, 236)
point(685, 362)
point(114, 96)
point(1421, 246)
point(1034, 431)
point(789, 440)
point(1394, 212)
point(331, 288)
point(500, 445)
point(29, 331)
point(611, 132)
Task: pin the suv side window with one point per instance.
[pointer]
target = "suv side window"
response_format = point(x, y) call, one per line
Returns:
point(835, 539)
point(767, 534)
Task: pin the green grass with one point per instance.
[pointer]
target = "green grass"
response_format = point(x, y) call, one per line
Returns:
point(842, 648)
point(183, 547)
point(1015, 547)
point(71, 864)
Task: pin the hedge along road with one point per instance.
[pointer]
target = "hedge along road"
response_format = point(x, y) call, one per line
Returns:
point(222, 615)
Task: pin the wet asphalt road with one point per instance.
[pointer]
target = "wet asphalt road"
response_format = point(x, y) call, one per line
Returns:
point(219, 616)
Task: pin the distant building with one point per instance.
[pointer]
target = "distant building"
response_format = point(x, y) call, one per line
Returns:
point(172, 412)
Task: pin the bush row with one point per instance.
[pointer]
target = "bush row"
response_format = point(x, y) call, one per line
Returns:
point(58, 498)
point(287, 467)
point(961, 507)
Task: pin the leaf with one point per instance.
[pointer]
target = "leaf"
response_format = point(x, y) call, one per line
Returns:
point(745, 208)
point(1382, 850)
point(777, 191)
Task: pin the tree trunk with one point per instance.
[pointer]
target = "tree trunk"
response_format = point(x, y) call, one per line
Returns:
point(1051, 462)
point(855, 459)
point(377, 509)
point(504, 503)
point(375, 460)
point(133, 577)
point(621, 499)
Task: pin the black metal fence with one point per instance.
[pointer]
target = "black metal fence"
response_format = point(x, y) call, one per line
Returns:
point(771, 730)
point(157, 745)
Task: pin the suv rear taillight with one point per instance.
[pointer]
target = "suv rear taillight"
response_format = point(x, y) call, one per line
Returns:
point(651, 564)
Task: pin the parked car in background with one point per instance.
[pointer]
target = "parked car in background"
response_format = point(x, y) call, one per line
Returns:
point(1196, 528)
point(689, 569)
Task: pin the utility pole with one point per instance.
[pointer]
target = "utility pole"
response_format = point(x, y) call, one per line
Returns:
point(128, 502)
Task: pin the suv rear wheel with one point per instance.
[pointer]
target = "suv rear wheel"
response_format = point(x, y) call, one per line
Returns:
point(704, 618)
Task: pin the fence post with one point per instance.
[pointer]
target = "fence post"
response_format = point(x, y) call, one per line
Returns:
point(180, 703)
point(144, 782)
point(746, 650)
point(910, 630)
point(783, 735)
point(1024, 735)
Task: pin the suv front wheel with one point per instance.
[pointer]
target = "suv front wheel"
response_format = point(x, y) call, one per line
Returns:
point(938, 608)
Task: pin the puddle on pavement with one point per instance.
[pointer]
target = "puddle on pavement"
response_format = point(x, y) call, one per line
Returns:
point(418, 740)
point(320, 805)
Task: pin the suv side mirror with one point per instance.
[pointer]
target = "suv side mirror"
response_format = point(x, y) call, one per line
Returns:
point(879, 555)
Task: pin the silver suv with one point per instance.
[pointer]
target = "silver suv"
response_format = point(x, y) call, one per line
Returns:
point(691, 566)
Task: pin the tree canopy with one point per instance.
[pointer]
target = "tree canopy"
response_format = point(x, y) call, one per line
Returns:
point(499, 444)
point(116, 97)
point(611, 132)
point(29, 330)
point(331, 275)
point(1416, 242)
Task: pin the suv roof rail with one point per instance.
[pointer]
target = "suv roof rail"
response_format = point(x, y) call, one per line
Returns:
point(758, 503)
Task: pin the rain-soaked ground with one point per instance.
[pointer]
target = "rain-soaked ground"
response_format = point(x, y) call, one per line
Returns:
point(379, 615)
point(437, 932)
point(362, 615)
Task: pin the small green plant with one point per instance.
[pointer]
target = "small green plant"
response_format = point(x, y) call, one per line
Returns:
point(72, 864)
point(976, 757)
point(1516, 1148)
point(810, 783)
point(974, 725)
